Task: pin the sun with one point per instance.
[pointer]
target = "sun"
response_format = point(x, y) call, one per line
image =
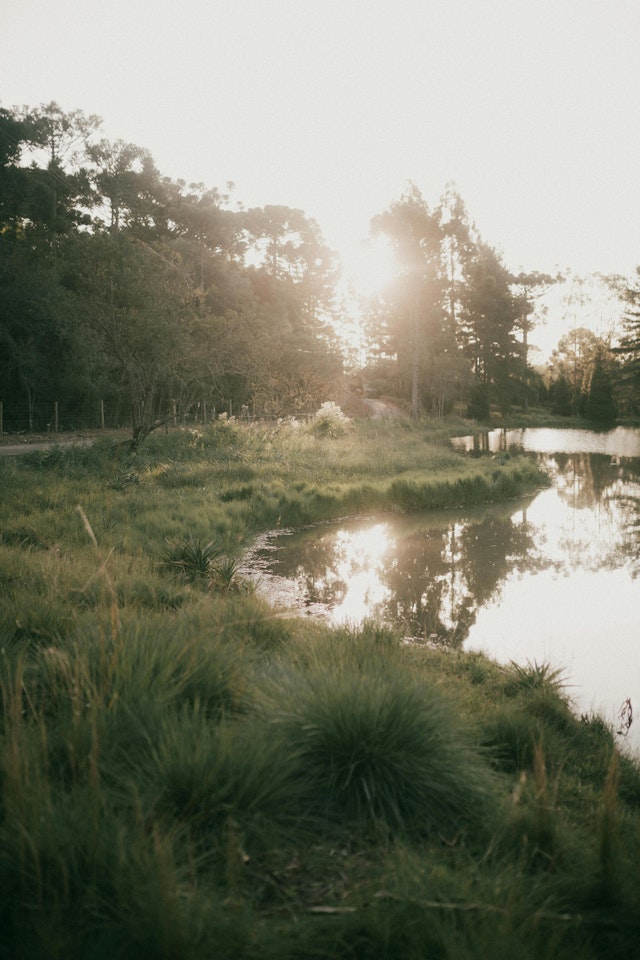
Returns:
point(370, 266)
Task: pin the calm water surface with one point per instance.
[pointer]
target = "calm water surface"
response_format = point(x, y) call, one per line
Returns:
point(551, 578)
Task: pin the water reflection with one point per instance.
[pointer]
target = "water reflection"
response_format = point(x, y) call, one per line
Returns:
point(553, 577)
point(620, 442)
point(429, 574)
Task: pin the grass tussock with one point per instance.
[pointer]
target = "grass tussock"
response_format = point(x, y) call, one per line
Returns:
point(184, 773)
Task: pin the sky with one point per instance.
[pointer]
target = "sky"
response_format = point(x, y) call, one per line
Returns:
point(530, 107)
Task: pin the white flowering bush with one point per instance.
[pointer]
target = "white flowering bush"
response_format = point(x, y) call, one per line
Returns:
point(329, 421)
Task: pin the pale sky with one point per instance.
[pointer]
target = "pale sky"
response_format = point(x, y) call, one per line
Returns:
point(531, 107)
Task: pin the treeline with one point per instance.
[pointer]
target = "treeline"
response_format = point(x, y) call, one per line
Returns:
point(123, 287)
point(456, 325)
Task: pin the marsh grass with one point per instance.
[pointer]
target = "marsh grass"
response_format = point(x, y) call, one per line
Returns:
point(185, 773)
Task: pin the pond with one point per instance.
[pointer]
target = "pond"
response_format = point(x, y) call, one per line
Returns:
point(553, 578)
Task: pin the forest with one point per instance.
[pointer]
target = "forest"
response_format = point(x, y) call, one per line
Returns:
point(128, 299)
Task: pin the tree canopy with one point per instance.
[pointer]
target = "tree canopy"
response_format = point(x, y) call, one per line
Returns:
point(122, 285)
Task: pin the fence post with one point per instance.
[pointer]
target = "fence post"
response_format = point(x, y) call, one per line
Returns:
point(204, 411)
point(102, 414)
point(1, 417)
point(55, 416)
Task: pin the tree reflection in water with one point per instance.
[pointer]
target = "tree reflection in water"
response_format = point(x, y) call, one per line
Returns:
point(432, 574)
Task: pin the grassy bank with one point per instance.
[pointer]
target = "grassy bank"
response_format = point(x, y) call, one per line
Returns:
point(185, 774)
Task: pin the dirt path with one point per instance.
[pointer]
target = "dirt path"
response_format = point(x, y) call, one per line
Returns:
point(10, 446)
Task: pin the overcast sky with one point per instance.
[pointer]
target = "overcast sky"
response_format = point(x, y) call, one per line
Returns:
point(530, 106)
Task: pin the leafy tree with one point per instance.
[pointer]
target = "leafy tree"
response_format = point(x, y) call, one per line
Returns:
point(29, 336)
point(574, 359)
point(479, 407)
point(129, 189)
point(17, 135)
point(134, 310)
point(288, 246)
point(202, 216)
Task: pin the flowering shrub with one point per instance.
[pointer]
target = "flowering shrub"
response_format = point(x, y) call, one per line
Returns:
point(288, 422)
point(329, 421)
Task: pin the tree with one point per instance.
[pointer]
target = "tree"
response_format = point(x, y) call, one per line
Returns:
point(288, 246)
point(530, 288)
point(628, 346)
point(561, 397)
point(459, 243)
point(600, 406)
point(17, 135)
point(573, 359)
point(60, 186)
point(129, 189)
point(415, 300)
point(489, 316)
point(134, 308)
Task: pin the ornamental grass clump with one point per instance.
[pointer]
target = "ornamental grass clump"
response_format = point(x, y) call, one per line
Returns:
point(375, 745)
point(191, 557)
point(210, 774)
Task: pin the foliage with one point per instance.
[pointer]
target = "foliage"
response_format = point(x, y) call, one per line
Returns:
point(600, 406)
point(166, 301)
point(374, 745)
point(191, 557)
point(185, 771)
point(533, 676)
point(329, 421)
point(152, 296)
point(479, 407)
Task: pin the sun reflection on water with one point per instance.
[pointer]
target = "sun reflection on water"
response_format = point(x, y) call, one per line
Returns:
point(360, 559)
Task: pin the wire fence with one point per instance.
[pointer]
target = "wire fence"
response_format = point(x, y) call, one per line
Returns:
point(57, 416)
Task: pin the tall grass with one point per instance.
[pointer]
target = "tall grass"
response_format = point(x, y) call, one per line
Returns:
point(183, 773)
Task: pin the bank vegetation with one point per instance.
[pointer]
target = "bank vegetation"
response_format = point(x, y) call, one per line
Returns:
point(185, 773)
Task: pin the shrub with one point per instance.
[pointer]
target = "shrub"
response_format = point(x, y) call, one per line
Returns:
point(329, 421)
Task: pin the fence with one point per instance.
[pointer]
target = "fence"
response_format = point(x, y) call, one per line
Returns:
point(57, 416)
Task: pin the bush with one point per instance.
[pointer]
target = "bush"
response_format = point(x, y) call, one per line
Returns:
point(329, 421)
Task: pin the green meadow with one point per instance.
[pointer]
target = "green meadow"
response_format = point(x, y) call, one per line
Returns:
point(188, 774)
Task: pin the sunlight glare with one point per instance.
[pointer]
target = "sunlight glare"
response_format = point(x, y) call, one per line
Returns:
point(360, 561)
point(372, 266)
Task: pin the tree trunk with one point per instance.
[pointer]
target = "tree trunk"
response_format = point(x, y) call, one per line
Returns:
point(415, 365)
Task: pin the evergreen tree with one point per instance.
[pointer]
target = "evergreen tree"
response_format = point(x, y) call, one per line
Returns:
point(628, 348)
point(561, 397)
point(600, 406)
